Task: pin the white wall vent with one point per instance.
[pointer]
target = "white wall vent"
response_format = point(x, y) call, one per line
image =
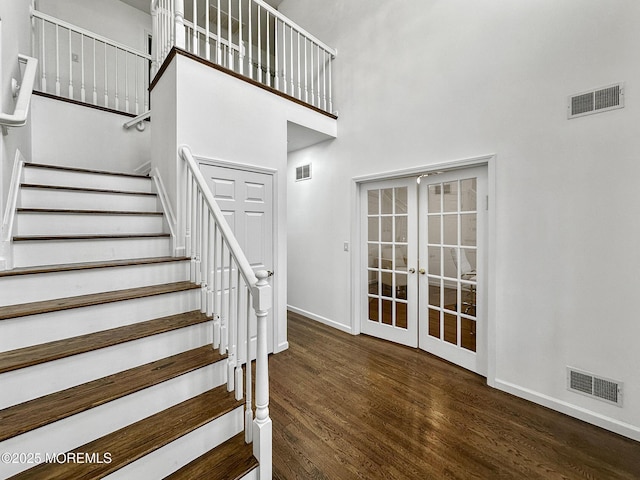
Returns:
point(596, 101)
point(593, 386)
point(303, 172)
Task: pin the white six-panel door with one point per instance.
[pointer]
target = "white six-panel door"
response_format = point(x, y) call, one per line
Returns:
point(246, 200)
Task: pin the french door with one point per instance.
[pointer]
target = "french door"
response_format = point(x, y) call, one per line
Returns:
point(425, 264)
point(389, 224)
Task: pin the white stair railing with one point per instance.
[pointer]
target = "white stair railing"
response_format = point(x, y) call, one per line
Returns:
point(22, 93)
point(81, 65)
point(251, 38)
point(232, 294)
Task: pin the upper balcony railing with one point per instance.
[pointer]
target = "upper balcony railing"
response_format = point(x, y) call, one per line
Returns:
point(251, 38)
point(80, 65)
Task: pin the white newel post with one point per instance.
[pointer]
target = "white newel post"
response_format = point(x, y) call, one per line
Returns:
point(262, 428)
point(180, 32)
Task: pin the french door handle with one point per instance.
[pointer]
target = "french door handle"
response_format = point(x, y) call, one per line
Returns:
point(412, 270)
point(422, 271)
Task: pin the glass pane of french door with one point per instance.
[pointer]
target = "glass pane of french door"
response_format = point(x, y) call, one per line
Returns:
point(389, 231)
point(451, 232)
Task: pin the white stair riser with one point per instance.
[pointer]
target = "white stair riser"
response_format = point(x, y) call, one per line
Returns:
point(77, 430)
point(180, 452)
point(252, 475)
point(81, 224)
point(47, 327)
point(28, 383)
point(65, 178)
point(50, 198)
point(33, 253)
point(48, 286)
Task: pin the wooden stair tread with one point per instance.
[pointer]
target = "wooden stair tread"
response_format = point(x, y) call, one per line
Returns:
point(30, 238)
point(141, 438)
point(85, 189)
point(85, 212)
point(84, 170)
point(46, 352)
point(89, 265)
point(231, 460)
point(38, 412)
point(55, 305)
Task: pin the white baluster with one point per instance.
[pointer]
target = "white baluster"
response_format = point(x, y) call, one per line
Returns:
point(299, 70)
point(70, 67)
point(311, 74)
point(330, 83)
point(223, 314)
point(210, 262)
point(204, 254)
point(82, 90)
point(229, 37)
point(250, 41)
point(262, 427)
point(57, 61)
point(268, 52)
point(284, 57)
point(194, 232)
point(276, 56)
point(317, 75)
point(43, 67)
point(238, 339)
point(293, 90)
point(116, 85)
point(306, 76)
point(214, 273)
point(155, 35)
point(95, 80)
point(248, 410)
point(259, 47)
point(240, 39)
point(324, 80)
point(180, 33)
point(198, 235)
point(196, 39)
point(218, 36)
point(126, 82)
point(231, 361)
point(187, 216)
point(135, 62)
point(207, 44)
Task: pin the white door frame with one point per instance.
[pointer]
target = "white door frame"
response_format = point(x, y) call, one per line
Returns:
point(280, 277)
point(356, 247)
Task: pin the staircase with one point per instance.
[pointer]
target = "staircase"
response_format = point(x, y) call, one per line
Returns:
point(106, 360)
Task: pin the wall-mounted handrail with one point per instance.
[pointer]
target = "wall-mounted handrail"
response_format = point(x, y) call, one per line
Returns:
point(137, 121)
point(21, 111)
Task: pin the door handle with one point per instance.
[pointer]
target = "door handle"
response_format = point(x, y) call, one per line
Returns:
point(412, 270)
point(422, 271)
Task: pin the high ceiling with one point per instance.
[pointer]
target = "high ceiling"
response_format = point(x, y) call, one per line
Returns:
point(144, 4)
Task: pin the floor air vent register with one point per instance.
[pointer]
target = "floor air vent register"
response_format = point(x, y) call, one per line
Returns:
point(586, 383)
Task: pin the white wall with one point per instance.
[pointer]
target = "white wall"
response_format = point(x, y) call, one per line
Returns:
point(222, 118)
point(424, 81)
point(77, 136)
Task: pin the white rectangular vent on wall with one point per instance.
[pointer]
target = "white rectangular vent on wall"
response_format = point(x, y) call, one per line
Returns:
point(593, 386)
point(596, 101)
point(303, 172)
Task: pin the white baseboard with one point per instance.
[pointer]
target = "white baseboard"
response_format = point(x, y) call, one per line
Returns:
point(608, 423)
point(321, 319)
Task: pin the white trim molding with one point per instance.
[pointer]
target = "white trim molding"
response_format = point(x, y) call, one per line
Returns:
point(602, 421)
point(320, 319)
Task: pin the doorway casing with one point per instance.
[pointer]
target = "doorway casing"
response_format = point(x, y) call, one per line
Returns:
point(356, 274)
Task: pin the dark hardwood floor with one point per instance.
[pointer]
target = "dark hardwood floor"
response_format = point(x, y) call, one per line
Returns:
point(346, 407)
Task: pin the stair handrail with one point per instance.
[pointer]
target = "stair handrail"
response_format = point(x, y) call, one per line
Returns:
point(230, 330)
point(23, 92)
point(137, 121)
